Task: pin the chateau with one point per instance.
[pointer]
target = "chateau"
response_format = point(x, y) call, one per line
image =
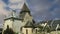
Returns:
point(22, 24)
point(25, 24)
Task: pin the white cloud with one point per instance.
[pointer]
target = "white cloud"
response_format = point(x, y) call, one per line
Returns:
point(13, 1)
point(2, 10)
point(16, 4)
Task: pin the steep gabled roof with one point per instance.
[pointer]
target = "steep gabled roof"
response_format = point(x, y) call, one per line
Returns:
point(25, 7)
point(29, 24)
point(24, 10)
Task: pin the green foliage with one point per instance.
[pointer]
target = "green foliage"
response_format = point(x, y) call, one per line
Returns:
point(58, 33)
point(48, 29)
point(8, 31)
point(45, 29)
point(16, 33)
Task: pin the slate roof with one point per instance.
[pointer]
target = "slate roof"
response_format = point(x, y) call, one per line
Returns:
point(12, 15)
point(24, 10)
point(30, 24)
point(13, 18)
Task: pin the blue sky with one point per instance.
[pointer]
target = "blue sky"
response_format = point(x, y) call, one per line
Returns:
point(40, 9)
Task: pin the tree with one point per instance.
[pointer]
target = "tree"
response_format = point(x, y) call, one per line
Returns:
point(46, 29)
point(8, 31)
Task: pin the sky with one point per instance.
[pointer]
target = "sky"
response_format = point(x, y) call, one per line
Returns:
point(40, 9)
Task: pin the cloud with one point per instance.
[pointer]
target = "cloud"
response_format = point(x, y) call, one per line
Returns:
point(13, 1)
point(2, 10)
point(6, 1)
point(14, 4)
point(46, 8)
point(41, 8)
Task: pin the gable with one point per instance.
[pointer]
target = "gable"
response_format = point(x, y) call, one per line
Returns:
point(29, 24)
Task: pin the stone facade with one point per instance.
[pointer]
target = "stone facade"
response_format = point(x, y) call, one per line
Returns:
point(24, 23)
point(17, 24)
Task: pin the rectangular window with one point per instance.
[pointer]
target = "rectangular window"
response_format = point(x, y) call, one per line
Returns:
point(36, 30)
point(32, 30)
point(26, 31)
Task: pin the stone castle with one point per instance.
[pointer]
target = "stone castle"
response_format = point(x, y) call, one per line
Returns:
point(24, 23)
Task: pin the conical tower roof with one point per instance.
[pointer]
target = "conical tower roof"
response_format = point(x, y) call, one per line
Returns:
point(25, 8)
